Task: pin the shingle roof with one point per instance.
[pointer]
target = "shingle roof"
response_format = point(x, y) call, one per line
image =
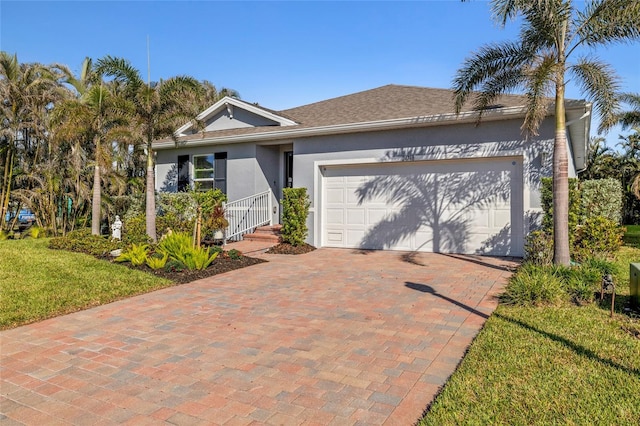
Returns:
point(382, 103)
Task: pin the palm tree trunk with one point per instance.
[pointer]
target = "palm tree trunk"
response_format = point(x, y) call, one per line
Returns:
point(97, 199)
point(561, 255)
point(6, 188)
point(150, 197)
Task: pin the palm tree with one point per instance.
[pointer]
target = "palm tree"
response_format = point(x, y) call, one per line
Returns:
point(26, 91)
point(93, 117)
point(156, 110)
point(552, 33)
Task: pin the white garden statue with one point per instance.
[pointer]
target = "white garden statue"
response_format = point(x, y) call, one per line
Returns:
point(116, 229)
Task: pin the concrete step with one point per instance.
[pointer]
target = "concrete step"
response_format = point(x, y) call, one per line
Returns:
point(269, 233)
point(262, 236)
point(271, 229)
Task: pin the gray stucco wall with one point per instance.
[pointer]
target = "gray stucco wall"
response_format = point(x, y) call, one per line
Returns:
point(253, 168)
point(241, 168)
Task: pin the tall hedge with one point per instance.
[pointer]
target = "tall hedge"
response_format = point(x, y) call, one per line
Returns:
point(547, 204)
point(602, 197)
point(295, 209)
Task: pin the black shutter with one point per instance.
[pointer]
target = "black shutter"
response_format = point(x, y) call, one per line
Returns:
point(220, 171)
point(183, 173)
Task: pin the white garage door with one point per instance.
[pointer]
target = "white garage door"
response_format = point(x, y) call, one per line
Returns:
point(451, 206)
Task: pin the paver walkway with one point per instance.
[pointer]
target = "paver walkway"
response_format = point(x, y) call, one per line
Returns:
point(330, 337)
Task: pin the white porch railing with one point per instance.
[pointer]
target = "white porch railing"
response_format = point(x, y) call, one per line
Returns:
point(246, 214)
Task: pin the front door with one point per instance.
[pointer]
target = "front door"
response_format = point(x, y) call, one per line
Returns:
point(288, 169)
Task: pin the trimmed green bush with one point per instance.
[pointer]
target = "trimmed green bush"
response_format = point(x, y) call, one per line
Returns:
point(134, 230)
point(538, 248)
point(547, 204)
point(295, 209)
point(601, 197)
point(82, 241)
point(598, 237)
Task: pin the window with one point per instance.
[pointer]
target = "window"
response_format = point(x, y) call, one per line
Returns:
point(210, 171)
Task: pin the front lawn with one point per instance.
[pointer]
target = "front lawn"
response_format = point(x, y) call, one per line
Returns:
point(549, 365)
point(38, 283)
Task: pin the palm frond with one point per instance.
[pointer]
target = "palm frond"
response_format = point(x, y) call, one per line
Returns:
point(506, 58)
point(630, 118)
point(599, 81)
point(607, 21)
point(539, 79)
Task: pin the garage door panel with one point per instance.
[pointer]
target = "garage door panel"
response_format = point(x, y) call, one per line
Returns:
point(334, 216)
point(448, 206)
point(355, 217)
point(354, 237)
point(335, 237)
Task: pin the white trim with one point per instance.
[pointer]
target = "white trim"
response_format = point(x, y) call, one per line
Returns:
point(228, 104)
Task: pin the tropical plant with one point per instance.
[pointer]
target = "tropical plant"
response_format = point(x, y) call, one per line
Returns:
point(175, 243)
point(27, 92)
point(553, 32)
point(93, 117)
point(197, 258)
point(155, 110)
point(157, 261)
point(137, 255)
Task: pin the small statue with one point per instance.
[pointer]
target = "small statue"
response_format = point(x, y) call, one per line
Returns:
point(116, 229)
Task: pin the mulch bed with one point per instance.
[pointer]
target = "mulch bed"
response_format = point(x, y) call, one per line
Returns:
point(220, 265)
point(286, 248)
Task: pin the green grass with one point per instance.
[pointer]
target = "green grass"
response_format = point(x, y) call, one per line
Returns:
point(549, 365)
point(632, 236)
point(38, 283)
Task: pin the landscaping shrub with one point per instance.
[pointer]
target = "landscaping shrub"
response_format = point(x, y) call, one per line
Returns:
point(534, 285)
point(597, 237)
point(579, 282)
point(234, 254)
point(179, 204)
point(134, 230)
point(137, 255)
point(173, 222)
point(174, 266)
point(538, 248)
point(295, 209)
point(37, 232)
point(601, 197)
point(175, 243)
point(547, 204)
point(157, 261)
point(82, 241)
point(198, 258)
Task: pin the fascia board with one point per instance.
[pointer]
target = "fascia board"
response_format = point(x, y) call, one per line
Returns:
point(419, 121)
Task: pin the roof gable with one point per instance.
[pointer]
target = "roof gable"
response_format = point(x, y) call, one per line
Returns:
point(230, 113)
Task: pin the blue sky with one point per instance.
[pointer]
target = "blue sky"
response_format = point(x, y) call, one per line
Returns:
point(279, 54)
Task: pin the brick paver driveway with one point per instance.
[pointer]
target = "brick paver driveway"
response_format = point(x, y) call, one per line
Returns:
point(330, 337)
